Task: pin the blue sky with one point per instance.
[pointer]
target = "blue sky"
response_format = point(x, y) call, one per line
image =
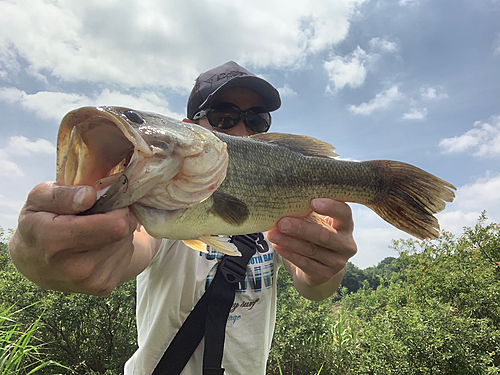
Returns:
point(410, 80)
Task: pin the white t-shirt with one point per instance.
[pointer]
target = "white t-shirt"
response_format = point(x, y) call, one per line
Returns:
point(169, 288)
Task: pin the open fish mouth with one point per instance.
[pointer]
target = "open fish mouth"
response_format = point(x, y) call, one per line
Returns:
point(129, 159)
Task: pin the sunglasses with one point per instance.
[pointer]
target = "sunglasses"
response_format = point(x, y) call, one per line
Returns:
point(228, 115)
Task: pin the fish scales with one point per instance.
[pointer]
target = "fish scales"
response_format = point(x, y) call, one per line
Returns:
point(284, 180)
point(185, 182)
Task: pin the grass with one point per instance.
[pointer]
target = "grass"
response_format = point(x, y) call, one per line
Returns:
point(281, 372)
point(18, 352)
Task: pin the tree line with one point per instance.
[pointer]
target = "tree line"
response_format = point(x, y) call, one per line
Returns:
point(434, 309)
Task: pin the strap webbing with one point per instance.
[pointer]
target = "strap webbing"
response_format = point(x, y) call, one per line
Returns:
point(209, 316)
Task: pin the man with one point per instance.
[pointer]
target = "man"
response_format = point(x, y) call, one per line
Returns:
point(93, 254)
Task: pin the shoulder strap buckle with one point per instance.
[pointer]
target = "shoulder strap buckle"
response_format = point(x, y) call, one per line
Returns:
point(234, 268)
point(233, 271)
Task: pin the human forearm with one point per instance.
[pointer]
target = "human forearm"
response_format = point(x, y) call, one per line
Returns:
point(145, 248)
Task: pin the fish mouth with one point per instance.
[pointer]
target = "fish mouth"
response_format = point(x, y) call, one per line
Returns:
point(141, 160)
point(93, 145)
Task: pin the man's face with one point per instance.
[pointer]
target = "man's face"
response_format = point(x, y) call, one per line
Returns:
point(242, 97)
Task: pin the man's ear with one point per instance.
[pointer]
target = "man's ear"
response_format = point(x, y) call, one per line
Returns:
point(188, 120)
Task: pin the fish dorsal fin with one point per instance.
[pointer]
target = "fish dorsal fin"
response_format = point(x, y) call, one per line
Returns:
point(305, 145)
point(231, 209)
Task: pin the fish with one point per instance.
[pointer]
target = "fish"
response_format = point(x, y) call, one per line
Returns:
point(185, 182)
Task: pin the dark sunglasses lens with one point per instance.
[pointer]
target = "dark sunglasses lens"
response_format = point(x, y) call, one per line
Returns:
point(227, 115)
point(224, 118)
point(258, 122)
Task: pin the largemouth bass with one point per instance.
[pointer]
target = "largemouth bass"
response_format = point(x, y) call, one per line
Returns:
point(185, 182)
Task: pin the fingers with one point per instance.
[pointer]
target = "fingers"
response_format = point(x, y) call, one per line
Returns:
point(63, 200)
point(295, 247)
point(339, 212)
point(60, 250)
point(320, 251)
point(49, 214)
point(95, 272)
point(83, 254)
point(339, 217)
point(61, 232)
point(321, 270)
point(306, 231)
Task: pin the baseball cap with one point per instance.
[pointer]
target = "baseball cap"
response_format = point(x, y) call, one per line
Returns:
point(228, 75)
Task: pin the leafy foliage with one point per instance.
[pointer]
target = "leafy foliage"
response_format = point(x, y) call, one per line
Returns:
point(354, 277)
point(19, 351)
point(433, 310)
point(436, 310)
point(90, 335)
point(301, 325)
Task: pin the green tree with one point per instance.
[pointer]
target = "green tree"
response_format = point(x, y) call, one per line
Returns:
point(86, 333)
point(435, 311)
point(353, 278)
point(440, 314)
point(302, 334)
point(383, 270)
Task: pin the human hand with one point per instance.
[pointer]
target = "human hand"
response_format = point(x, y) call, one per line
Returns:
point(56, 249)
point(317, 251)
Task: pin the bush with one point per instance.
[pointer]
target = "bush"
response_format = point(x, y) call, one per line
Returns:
point(435, 311)
point(90, 335)
point(439, 314)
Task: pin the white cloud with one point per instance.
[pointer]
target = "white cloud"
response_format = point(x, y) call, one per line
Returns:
point(54, 105)
point(373, 244)
point(384, 45)
point(409, 2)
point(287, 90)
point(14, 205)
point(9, 168)
point(159, 42)
point(8, 63)
point(373, 237)
point(45, 104)
point(350, 70)
point(415, 114)
point(347, 159)
point(382, 100)
point(21, 146)
point(433, 94)
point(496, 45)
point(471, 200)
point(483, 139)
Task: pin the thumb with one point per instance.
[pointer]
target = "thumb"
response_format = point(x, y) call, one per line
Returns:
point(62, 200)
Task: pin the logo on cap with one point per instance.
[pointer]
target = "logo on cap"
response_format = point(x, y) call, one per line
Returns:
point(228, 75)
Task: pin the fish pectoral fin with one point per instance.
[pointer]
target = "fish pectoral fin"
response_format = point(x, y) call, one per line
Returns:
point(302, 144)
point(221, 244)
point(231, 209)
point(316, 218)
point(196, 245)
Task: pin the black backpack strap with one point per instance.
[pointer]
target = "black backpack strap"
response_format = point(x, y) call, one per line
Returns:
point(209, 316)
point(233, 270)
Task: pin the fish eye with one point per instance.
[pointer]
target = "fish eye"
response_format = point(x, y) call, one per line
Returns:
point(134, 117)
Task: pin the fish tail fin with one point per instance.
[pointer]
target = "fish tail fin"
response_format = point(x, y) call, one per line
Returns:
point(410, 198)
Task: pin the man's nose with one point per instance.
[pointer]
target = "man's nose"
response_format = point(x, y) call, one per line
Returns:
point(240, 130)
